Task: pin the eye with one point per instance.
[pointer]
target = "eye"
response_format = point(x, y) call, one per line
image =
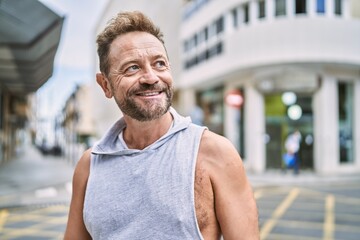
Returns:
point(132, 69)
point(160, 64)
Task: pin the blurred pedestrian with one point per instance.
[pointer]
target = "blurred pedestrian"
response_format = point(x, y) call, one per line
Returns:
point(154, 174)
point(292, 146)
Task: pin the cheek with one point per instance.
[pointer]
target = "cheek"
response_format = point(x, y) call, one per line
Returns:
point(124, 87)
point(167, 78)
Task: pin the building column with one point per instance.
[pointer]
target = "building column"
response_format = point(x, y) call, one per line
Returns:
point(187, 101)
point(253, 11)
point(311, 8)
point(290, 8)
point(326, 128)
point(254, 130)
point(329, 8)
point(270, 10)
point(346, 9)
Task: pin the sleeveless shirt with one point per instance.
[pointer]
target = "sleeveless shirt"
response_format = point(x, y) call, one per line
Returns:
point(144, 194)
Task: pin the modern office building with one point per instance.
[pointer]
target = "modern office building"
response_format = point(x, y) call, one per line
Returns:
point(260, 69)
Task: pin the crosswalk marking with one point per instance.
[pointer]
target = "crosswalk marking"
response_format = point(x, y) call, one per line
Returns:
point(279, 211)
point(329, 218)
point(3, 215)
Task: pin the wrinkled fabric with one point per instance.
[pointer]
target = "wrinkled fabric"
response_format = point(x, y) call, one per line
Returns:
point(144, 194)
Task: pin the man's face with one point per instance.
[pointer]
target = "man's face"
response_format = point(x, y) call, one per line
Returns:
point(139, 76)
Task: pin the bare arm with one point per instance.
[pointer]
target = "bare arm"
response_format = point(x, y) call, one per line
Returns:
point(75, 228)
point(235, 206)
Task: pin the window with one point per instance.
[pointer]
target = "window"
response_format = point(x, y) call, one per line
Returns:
point(280, 7)
point(202, 36)
point(219, 25)
point(320, 6)
point(186, 46)
point(203, 56)
point(212, 30)
point(262, 9)
point(215, 50)
point(346, 120)
point(206, 33)
point(245, 8)
point(337, 7)
point(234, 14)
point(300, 6)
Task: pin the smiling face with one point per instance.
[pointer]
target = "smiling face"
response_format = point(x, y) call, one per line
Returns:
point(139, 78)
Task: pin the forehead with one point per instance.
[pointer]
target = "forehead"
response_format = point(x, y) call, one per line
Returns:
point(135, 43)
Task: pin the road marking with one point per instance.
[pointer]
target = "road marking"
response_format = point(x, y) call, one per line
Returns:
point(258, 194)
point(3, 216)
point(49, 192)
point(279, 211)
point(328, 229)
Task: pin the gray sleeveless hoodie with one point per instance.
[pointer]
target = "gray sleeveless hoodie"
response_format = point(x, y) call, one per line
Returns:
point(144, 194)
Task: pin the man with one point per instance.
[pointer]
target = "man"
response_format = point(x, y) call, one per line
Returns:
point(155, 175)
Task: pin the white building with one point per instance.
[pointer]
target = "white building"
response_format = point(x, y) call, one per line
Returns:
point(295, 64)
point(288, 64)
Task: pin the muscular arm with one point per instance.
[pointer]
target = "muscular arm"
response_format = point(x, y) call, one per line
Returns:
point(75, 228)
point(235, 206)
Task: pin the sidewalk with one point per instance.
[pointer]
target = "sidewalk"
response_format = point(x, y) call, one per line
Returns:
point(32, 178)
point(278, 178)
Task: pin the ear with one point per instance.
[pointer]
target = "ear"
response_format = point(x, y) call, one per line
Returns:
point(104, 84)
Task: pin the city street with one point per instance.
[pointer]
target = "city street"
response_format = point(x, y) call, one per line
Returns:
point(305, 206)
point(330, 211)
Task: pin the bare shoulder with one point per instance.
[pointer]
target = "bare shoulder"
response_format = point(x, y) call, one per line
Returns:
point(233, 201)
point(82, 168)
point(75, 228)
point(221, 160)
point(218, 151)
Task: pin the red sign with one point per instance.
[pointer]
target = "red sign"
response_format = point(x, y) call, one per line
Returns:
point(234, 98)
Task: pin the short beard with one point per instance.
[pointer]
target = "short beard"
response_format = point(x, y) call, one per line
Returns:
point(151, 110)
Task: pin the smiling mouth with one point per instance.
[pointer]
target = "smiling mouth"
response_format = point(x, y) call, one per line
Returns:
point(148, 94)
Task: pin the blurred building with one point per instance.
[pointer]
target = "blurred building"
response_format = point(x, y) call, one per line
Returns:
point(260, 69)
point(29, 37)
point(74, 127)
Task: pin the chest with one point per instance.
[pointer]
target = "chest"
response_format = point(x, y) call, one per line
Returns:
point(144, 191)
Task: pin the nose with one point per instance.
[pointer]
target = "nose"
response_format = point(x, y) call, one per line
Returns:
point(149, 76)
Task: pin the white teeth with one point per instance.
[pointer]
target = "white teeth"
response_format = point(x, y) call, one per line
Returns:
point(149, 93)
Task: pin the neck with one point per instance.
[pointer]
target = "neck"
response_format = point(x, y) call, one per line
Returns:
point(139, 135)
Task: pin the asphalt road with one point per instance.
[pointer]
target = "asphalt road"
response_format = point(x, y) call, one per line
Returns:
point(325, 211)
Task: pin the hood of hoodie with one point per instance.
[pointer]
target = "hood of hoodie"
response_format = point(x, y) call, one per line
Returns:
point(110, 143)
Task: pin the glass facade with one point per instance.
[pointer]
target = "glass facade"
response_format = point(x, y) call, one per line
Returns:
point(284, 114)
point(280, 7)
point(346, 121)
point(338, 7)
point(212, 103)
point(300, 6)
point(245, 8)
point(320, 6)
point(262, 9)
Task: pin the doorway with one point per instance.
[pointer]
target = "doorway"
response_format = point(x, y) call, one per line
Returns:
point(285, 113)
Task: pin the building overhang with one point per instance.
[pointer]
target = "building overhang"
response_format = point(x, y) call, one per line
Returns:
point(29, 37)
